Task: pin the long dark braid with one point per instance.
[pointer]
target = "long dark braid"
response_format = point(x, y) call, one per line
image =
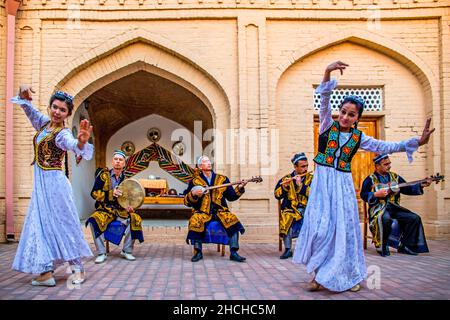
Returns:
point(66, 164)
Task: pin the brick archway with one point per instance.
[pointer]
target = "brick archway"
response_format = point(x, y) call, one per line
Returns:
point(370, 40)
point(410, 60)
point(136, 50)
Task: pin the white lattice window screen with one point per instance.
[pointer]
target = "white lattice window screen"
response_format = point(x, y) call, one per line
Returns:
point(373, 97)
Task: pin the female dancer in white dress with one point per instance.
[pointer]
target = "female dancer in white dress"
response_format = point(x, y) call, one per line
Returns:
point(330, 243)
point(52, 233)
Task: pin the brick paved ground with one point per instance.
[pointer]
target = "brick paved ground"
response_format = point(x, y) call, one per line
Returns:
point(166, 272)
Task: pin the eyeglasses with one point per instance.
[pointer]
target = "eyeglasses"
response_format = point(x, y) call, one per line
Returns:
point(63, 95)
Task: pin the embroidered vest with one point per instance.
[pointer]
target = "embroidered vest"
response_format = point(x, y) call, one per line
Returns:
point(47, 155)
point(328, 145)
point(393, 197)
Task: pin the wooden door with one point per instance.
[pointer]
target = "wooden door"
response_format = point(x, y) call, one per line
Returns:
point(362, 163)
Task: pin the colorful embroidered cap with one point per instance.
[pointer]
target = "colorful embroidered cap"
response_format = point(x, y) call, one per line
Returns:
point(380, 157)
point(63, 95)
point(199, 160)
point(120, 153)
point(298, 157)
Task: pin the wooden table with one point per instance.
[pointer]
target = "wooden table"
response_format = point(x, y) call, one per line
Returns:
point(158, 186)
point(164, 200)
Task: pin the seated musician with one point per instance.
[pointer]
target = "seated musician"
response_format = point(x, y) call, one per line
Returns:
point(384, 205)
point(212, 206)
point(105, 193)
point(293, 194)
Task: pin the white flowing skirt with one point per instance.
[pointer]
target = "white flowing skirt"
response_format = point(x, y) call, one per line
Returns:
point(52, 231)
point(330, 242)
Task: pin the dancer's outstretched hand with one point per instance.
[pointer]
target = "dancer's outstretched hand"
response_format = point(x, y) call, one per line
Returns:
point(85, 131)
point(338, 65)
point(426, 133)
point(26, 92)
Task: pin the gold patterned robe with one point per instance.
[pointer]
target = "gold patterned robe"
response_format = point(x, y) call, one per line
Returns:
point(291, 198)
point(212, 205)
point(107, 207)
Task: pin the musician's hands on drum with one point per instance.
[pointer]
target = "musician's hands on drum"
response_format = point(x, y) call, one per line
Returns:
point(382, 193)
point(117, 193)
point(26, 92)
point(426, 134)
point(130, 209)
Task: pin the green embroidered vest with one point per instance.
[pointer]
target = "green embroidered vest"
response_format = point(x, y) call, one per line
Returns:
point(328, 145)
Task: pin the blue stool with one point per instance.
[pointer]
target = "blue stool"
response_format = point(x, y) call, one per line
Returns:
point(215, 233)
point(114, 232)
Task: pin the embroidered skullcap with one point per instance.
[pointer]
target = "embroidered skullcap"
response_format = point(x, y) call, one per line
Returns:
point(380, 157)
point(199, 160)
point(299, 156)
point(63, 95)
point(120, 153)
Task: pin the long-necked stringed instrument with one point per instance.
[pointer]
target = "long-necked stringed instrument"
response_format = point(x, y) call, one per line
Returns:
point(395, 187)
point(285, 181)
point(207, 189)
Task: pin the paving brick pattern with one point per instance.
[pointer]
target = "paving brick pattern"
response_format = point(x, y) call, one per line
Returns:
point(164, 271)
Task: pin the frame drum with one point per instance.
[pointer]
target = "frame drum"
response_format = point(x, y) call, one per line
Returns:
point(132, 194)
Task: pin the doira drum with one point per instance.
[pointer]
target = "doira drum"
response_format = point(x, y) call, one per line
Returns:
point(132, 194)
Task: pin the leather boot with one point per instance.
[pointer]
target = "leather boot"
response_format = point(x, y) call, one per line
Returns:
point(286, 254)
point(235, 257)
point(197, 256)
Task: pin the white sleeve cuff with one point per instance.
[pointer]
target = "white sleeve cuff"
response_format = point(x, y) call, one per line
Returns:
point(86, 153)
point(20, 101)
point(411, 145)
point(326, 87)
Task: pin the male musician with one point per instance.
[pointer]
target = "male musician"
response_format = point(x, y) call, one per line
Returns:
point(105, 193)
point(384, 205)
point(212, 206)
point(293, 191)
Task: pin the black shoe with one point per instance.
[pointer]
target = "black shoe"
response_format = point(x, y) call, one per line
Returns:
point(287, 254)
point(197, 256)
point(384, 252)
point(406, 250)
point(235, 257)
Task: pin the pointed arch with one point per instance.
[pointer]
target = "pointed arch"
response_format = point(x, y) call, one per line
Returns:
point(138, 49)
point(370, 40)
